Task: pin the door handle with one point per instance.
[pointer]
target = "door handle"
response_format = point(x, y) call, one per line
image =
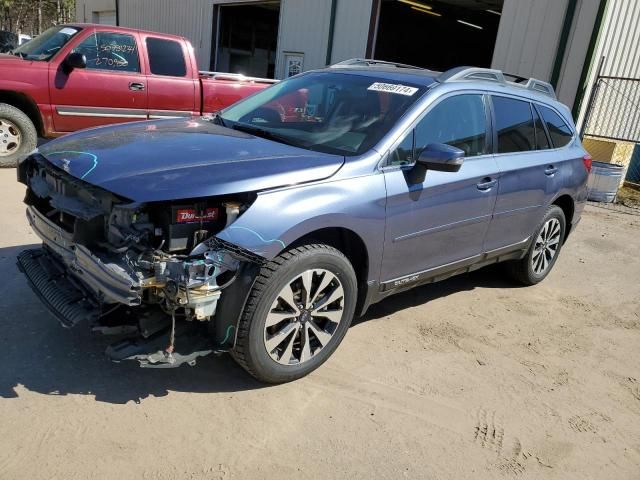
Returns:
point(487, 184)
point(550, 170)
point(136, 86)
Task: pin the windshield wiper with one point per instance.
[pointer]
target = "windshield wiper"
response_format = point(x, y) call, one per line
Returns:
point(261, 132)
point(216, 118)
point(18, 54)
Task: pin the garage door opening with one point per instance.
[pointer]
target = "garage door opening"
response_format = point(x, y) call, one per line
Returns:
point(438, 34)
point(248, 38)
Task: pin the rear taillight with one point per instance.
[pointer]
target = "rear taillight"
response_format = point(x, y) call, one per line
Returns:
point(587, 162)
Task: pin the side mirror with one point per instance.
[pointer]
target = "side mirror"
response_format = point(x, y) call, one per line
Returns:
point(75, 60)
point(439, 157)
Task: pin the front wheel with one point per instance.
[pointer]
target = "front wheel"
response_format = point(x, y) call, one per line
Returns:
point(544, 249)
point(298, 312)
point(18, 135)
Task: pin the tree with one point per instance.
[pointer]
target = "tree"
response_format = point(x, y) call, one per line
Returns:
point(34, 16)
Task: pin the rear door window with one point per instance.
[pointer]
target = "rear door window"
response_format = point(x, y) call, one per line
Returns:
point(559, 131)
point(514, 125)
point(542, 142)
point(166, 57)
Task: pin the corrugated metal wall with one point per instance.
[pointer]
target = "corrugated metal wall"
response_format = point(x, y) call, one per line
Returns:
point(192, 19)
point(304, 28)
point(577, 46)
point(85, 8)
point(528, 37)
point(352, 29)
point(619, 43)
point(620, 39)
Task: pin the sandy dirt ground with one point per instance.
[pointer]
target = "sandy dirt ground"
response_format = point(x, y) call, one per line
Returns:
point(471, 378)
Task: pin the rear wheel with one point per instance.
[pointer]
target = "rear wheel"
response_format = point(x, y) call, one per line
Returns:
point(298, 312)
point(544, 249)
point(18, 135)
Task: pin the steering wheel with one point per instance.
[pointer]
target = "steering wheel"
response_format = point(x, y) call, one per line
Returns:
point(262, 115)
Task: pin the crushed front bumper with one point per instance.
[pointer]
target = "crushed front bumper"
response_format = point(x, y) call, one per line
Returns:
point(108, 281)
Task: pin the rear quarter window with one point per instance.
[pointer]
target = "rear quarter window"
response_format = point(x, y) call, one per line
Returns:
point(560, 133)
point(166, 57)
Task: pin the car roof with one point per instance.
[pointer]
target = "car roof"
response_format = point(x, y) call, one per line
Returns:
point(459, 78)
point(414, 75)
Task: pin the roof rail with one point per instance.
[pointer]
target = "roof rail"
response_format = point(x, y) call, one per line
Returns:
point(370, 62)
point(491, 75)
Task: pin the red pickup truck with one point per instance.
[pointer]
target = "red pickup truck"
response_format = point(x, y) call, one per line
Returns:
point(79, 76)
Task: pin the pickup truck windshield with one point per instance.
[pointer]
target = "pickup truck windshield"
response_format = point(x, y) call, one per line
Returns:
point(45, 46)
point(331, 112)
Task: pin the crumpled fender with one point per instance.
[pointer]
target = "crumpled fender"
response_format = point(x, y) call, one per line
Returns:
point(280, 217)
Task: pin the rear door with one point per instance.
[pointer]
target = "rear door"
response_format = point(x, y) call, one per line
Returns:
point(109, 90)
point(528, 172)
point(173, 85)
point(442, 221)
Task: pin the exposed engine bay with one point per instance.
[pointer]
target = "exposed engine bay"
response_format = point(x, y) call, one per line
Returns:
point(143, 270)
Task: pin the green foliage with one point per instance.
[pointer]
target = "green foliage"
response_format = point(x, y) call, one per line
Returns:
point(34, 16)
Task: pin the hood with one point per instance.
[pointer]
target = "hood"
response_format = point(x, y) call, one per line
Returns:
point(180, 159)
point(13, 61)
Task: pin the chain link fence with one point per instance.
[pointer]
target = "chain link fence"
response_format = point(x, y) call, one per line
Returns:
point(611, 133)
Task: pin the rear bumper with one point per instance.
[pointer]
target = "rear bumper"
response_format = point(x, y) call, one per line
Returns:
point(106, 279)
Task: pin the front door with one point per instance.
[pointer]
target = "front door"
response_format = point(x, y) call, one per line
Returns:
point(442, 221)
point(110, 90)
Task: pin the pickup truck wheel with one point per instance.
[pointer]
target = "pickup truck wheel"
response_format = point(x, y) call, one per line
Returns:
point(18, 135)
point(544, 249)
point(298, 312)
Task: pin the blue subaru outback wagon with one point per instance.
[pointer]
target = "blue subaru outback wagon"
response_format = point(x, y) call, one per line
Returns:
point(263, 229)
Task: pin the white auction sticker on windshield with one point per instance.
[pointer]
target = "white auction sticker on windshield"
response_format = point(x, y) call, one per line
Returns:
point(393, 88)
point(68, 31)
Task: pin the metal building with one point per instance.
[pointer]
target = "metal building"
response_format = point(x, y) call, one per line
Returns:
point(553, 40)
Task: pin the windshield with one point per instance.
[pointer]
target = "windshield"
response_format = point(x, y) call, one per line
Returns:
point(339, 113)
point(45, 46)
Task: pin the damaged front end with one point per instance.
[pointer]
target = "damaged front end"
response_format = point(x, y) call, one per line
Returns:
point(154, 273)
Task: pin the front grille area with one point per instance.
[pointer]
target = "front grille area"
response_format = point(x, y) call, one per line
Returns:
point(61, 294)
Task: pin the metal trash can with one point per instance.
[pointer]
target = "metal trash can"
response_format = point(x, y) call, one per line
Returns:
point(604, 181)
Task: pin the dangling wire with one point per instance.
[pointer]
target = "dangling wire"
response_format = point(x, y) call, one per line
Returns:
point(172, 337)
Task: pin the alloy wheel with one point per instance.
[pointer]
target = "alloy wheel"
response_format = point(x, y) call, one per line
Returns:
point(10, 138)
point(546, 246)
point(304, 317)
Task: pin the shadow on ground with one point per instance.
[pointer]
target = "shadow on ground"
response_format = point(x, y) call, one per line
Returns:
point(38, 354)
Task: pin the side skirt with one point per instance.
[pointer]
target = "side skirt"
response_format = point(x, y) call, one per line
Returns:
point(437, 274)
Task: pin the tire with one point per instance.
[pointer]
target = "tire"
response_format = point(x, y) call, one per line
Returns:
point(19, 133)
point(532, 269)
point(262, 348)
